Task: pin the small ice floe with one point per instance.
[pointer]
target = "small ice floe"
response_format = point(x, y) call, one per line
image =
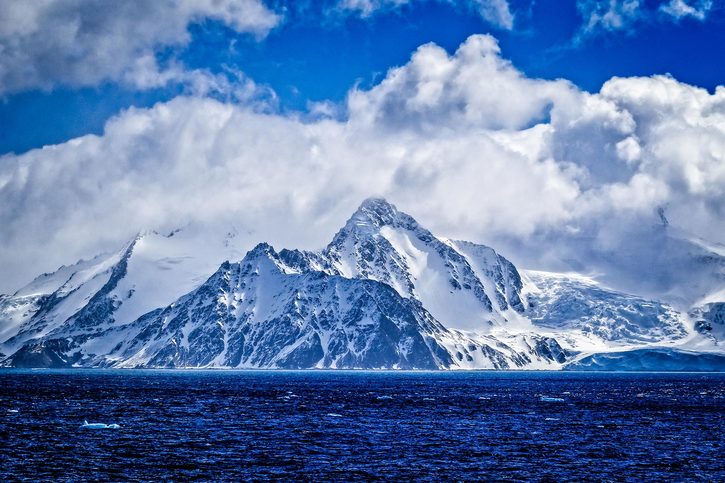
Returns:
point(551, 399)
point(334, 415)
point(87, 425)
point(484, 398)
point(12, 410)
point(383, 398)
point(551, 419)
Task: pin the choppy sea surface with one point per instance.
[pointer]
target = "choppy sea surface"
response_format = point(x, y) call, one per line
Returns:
point(323, 425)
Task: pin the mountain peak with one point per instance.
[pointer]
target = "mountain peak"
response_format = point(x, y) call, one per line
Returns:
point(261, 250)
point(378, 212)
point(376, 203)
point(371, 216)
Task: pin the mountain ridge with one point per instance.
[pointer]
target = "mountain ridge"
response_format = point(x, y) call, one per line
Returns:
point(385, 293)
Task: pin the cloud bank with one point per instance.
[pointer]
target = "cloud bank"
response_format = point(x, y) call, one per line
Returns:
point(464, 142)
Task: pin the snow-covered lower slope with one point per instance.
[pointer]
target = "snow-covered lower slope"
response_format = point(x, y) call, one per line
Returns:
point(610, 330)
point(583, 311)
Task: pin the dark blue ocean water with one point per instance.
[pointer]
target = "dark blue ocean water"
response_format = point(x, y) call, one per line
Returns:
point(217, 425)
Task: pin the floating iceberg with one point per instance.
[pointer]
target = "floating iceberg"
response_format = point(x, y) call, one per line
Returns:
point(551, 399)
point(87, 425)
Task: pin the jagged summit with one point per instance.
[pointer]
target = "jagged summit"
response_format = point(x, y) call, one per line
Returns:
point(380, 242)
point(375, 213)
point(261, 250)
point(264, 257)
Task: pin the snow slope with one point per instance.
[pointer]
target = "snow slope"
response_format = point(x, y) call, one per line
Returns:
point(150, 271)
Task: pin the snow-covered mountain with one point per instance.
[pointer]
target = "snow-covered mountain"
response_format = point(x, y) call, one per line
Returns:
point(266, 312)
point(150, 271)
point(463, 285)
point(385, 293)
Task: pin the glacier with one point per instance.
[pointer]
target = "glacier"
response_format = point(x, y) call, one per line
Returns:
point(385, 293)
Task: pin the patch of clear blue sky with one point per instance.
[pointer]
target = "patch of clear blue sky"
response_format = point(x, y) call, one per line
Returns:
point(313, 57)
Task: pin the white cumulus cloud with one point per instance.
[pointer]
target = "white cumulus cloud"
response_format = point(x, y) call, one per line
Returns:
point(77, 43)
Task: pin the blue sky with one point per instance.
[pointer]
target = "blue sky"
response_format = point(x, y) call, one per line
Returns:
point(317, 54)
